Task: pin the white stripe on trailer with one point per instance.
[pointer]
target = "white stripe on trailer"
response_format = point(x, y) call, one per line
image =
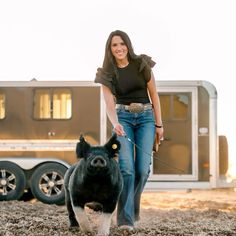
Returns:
point(38, 145)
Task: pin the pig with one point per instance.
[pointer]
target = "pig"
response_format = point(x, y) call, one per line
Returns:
point(95, 180)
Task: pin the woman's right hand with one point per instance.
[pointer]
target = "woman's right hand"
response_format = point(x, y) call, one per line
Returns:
point(119, 130)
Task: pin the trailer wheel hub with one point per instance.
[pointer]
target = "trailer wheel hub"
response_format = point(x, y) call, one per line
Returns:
point(3, 182)
point(51, 184)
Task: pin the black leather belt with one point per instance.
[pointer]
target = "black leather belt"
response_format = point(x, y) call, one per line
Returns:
point(135, 107)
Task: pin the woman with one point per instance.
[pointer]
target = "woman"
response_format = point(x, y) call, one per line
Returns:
point(133, 108)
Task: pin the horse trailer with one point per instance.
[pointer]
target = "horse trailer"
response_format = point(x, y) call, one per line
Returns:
point(41, 121)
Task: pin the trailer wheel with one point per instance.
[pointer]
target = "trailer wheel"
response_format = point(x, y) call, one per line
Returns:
point(47, 183)
point(12, 181)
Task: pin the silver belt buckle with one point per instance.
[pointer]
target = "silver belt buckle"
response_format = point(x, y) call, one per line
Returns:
point(136, 107)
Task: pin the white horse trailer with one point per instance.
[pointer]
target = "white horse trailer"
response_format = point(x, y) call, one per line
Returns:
point(40, 123)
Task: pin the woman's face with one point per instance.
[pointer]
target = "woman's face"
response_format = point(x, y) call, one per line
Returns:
point(118, 48)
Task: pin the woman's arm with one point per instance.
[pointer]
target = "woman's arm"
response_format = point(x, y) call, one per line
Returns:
point(156, 104)
point(111, 110)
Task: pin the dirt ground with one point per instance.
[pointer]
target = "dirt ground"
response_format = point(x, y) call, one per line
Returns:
point(198, 212)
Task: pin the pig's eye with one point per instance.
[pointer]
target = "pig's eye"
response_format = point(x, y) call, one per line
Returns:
point(89, 155)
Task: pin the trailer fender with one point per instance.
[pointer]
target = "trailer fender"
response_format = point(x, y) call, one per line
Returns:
point(28, 163)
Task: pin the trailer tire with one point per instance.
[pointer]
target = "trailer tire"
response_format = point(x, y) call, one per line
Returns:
point(47, 183)
point(12, 181)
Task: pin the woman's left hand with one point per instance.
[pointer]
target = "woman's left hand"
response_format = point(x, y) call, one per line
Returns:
point(160, 133)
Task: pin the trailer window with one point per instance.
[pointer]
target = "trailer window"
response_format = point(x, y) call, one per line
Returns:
point(52, 104)
point(42, 104)
point(61, 104)
point(175, 106)
point(180, 106)
point(2, 106)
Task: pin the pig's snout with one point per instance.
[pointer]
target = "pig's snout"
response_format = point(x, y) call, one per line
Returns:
point(98, 161)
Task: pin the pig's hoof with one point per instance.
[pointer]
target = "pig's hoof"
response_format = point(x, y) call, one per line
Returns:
point(74, 224)
point(74, 228)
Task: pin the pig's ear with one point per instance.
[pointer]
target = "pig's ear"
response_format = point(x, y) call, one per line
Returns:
point(82, 147)
point(113, 145)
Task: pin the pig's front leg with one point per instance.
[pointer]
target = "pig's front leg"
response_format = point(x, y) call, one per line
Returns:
point(105, 224)
point(82, 218)
point(72, 218)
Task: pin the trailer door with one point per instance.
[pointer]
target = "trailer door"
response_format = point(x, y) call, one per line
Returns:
point(177, 157)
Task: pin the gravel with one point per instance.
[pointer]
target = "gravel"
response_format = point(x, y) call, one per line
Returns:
point(197, 213)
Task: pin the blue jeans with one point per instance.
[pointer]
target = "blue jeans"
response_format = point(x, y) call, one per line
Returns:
point(134, 161)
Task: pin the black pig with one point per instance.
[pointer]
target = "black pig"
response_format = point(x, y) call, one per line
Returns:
point(95, 178)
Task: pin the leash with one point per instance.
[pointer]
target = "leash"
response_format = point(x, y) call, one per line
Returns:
point(154, 156)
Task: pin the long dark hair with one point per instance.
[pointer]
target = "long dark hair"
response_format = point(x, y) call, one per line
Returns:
point(109, 62)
